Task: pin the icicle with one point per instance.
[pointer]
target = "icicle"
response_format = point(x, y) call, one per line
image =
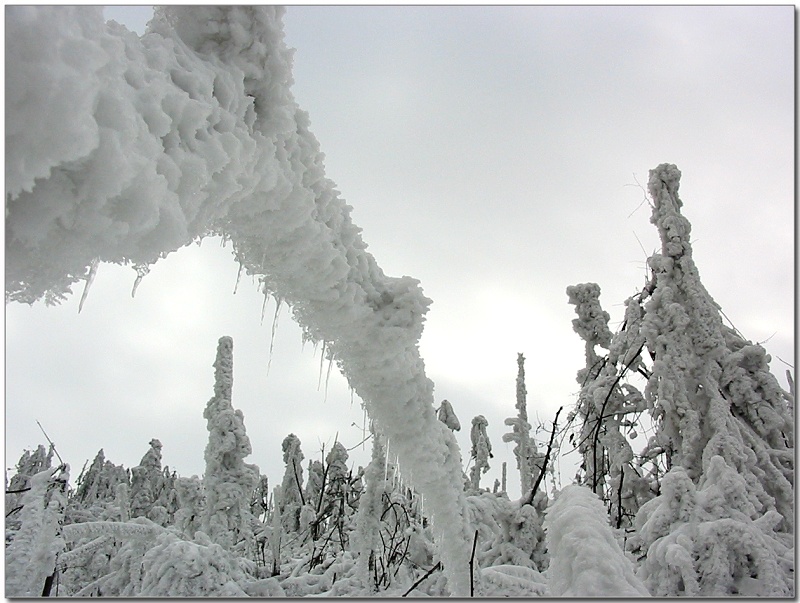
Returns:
point(89, 281)
point(238, 277)
point(278, 302)
point(386, 463)
point(264, 305)
point(141, 271)
point(364, 423)
point(328, 375)
point(321, 364)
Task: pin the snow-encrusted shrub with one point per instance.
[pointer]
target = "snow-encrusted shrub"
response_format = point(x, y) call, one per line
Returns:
point(509, 532)
point(585, 558)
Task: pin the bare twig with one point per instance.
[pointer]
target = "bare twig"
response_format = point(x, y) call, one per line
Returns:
point(546, 459)
point(297, 479)
point(421, 580)
point(17, 491)
point(49, 441)
point(472, 566)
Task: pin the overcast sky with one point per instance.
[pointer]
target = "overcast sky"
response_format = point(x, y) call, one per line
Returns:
point(493, 153)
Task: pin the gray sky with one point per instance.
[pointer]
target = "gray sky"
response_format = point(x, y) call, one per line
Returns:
point(490, 152)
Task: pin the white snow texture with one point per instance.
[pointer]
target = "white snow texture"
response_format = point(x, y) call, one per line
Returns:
point(123, 149)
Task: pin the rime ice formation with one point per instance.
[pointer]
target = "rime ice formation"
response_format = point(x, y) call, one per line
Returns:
point(124, 149)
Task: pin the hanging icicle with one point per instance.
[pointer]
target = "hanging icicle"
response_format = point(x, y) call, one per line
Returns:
point(238, 277)
point(89, 281)
point(141, 271)
point(278, 303)
point(386, 463)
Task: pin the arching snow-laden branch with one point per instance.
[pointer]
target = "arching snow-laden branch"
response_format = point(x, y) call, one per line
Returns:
point(123, 149)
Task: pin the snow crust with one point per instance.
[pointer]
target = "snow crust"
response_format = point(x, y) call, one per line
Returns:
point(123, 149)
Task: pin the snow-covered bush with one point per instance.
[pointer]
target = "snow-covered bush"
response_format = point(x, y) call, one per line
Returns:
point(609, 405)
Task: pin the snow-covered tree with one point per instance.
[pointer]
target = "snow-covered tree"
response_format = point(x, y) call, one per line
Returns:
point(609, 405)
point(32, 555)
point(447, 415)
point(367, 537)
point(29, 464)
point(191, 502)
point(529, 460)
point(481, 451)
point(228, 481)
point(292, 497)
point(99, 481)
point(723, 423)
point(147, 481)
